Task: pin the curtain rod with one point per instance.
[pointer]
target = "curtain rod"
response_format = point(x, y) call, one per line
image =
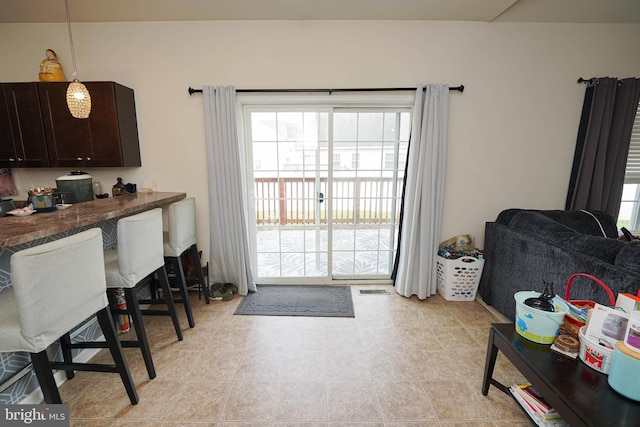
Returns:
point(596, 80)
point(380, 89)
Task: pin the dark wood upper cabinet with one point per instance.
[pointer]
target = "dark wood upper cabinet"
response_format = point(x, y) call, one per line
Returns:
point(22, 138)
point(109, 137)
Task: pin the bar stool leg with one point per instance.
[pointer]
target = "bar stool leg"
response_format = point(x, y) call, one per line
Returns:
point(105, 320)
point(198, 265)
point(45, 377)
point(65, 347)
point(168, 297)
point(133, 308)
point(182, 284)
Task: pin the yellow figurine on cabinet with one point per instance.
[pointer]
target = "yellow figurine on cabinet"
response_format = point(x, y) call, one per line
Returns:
point(50, 68)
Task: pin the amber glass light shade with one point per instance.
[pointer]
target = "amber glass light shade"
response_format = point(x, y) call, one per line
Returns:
point(78, 100)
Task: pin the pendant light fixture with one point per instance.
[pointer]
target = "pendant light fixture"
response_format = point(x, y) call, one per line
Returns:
point(78, 98)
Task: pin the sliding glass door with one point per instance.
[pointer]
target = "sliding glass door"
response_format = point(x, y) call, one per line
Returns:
point(326, 186)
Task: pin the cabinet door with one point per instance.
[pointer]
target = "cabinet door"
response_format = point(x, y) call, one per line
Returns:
point(8, 157)
point(92, 142)
point(103, 126)
point(68, 138)
point(25, 125)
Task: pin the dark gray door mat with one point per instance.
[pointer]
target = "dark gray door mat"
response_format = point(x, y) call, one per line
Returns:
point(298, 300)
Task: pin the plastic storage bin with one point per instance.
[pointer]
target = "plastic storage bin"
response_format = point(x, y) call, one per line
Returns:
point(458, 278)
point(624, 376)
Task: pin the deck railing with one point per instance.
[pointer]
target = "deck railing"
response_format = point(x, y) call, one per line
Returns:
point(297, 201)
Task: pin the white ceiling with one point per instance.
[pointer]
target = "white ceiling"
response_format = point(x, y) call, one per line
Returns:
point(578, 11)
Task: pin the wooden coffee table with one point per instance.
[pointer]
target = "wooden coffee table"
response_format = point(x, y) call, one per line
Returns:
point(581, 395)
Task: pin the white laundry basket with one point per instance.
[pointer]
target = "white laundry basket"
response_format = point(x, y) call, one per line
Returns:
point(458, 279)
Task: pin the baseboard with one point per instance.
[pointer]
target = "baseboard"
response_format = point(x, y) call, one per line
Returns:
point(501, 317)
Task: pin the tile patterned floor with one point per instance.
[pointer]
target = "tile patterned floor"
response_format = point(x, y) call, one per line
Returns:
point(399, 362)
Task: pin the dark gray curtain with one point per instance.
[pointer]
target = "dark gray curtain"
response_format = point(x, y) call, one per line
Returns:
point(597, 176)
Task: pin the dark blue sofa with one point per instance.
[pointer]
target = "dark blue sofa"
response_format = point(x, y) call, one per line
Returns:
point(523, 248)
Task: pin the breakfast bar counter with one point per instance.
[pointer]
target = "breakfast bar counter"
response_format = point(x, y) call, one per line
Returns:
point(17, 230)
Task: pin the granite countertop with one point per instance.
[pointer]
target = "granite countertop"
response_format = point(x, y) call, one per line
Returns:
point(18, 230)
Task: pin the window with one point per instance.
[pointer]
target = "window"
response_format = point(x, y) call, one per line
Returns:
point(355, 161)
point(629, 215)
point(388, 161)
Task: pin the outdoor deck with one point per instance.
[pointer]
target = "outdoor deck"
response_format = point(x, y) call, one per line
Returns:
point(282, 253)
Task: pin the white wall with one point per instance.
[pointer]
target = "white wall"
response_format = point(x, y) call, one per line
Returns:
point(512, 132)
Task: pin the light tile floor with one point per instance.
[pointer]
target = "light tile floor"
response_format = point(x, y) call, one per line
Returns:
point(399, 362)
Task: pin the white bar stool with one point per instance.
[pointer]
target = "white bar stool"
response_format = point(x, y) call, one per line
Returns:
point(180, 238)
point(57, 286)
point(139, 254)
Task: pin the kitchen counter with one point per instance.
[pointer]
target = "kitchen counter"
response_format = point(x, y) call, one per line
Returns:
point(16, 230)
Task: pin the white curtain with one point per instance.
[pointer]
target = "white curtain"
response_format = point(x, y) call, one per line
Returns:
point(230, 261)
point(424, 193)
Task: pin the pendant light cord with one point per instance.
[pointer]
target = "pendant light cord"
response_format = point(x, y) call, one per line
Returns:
point(73, 54)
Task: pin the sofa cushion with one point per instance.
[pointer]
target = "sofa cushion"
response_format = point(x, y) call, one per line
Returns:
point(629, 256)
point(537, 224)
point(603, 248)
point(542, 227)
point(583, 222)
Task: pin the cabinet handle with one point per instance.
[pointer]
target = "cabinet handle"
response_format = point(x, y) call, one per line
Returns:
point(78, 158)
point(88, 159)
